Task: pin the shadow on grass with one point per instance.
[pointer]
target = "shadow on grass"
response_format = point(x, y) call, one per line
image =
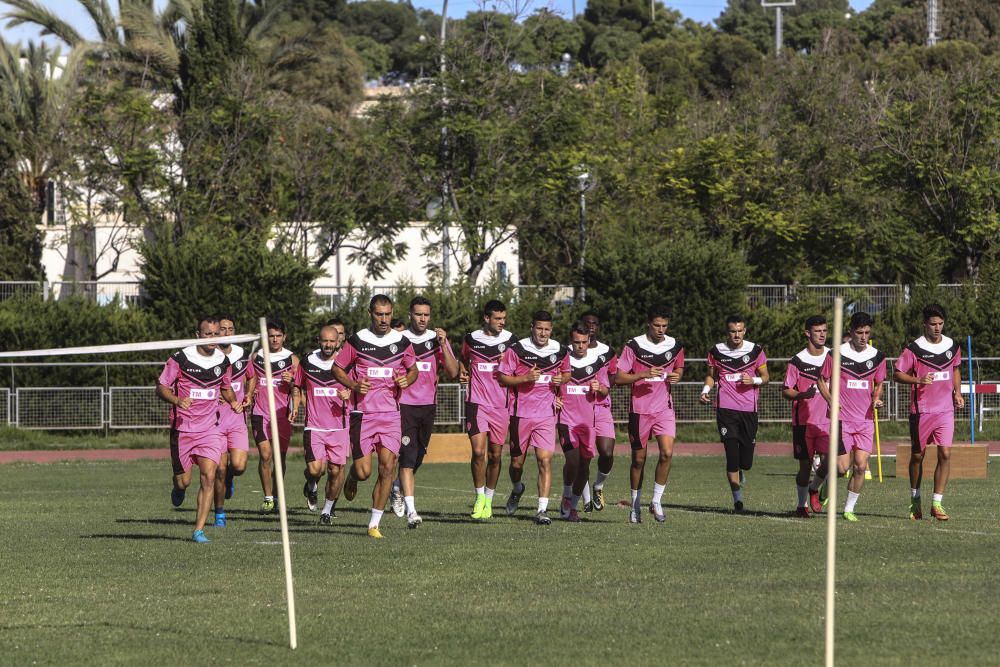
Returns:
point(196, 632)
point(133, 536)
point(350, 531)
point(157, 522)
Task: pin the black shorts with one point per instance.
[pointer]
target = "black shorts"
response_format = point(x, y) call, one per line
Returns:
point(737, 425)
point(417, 424)
point(800, 450)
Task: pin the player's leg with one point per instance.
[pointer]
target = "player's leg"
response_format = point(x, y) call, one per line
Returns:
point(334, 484)
point(206, 467)
point(944, 427)
point(314, 450)
point(361, 449)
point(380, 492)
point(477, 426)
point(916, 467)
point(860, 451)
point(221, 473)
point(544, 459)
point(181, 464)
point(410, 419)
point(499, 425)
point(665, 443)
point(638, 436)
point(801, 453)
point(571, 466)
point(732, 449)
point(588, 452)
point(261, 430)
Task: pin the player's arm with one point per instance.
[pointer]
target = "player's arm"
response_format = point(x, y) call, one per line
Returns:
point(229, 395)
point(168, 395)
point(448, 358)
point(251, 390)
point(761, 377)
point(710, 380)
point(343, 378)
point(409, 377)
point(877, 395)
point(296, 403)
point(622, 377)
point(793, 394)
point(515, 380)
point(906, 378)
point(956, 394)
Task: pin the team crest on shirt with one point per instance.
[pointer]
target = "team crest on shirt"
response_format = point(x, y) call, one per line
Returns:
point(603, 358)
point(668, 356)
point(239, 365)
point(552, 358)
point(589, 369)
point(868, 364)
point(746, 358)
point(948, 354)
point(393, 348)
point(501, 347)
point(281, 364)
point(428, 345)
point(218, 371)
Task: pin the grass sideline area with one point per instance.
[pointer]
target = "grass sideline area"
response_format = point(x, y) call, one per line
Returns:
point(99, 569)
point(15, 439)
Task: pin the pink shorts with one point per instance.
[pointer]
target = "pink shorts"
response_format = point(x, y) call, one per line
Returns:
point(373, 430)
point(487, 419)
point(330, 446)
point(185, 447)
point(857, 435)
point(234, 430)
point(578, 436)
point(642, 427)
point(262, 428)
point(539, 432)
point(604, 422)
point(937, 428)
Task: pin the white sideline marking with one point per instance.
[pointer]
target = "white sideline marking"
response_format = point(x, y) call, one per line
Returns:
point(964, 532)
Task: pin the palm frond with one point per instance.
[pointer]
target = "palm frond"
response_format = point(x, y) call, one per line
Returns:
point(32, 13)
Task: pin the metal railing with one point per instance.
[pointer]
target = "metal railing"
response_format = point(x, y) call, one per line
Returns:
point(860, 297)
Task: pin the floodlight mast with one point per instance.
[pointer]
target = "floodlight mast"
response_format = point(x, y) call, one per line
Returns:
point(933, 10)
point(777, 4)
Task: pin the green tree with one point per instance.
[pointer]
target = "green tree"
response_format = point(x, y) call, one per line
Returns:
point(20, 243)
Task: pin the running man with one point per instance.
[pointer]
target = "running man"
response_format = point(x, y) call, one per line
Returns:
point(283, 365)
point(931, 364)
point(588, 384)
point(603, 420)
point(192, 382)
point(418, 405)
point(739, 367)
point(810, 420)
point(232, 422)
point(382, 362)
point(534, 368)
point(487, 415)
point(325, 440)
point(862, 374)
point(651, 363)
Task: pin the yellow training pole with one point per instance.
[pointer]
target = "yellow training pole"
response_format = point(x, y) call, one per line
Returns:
point(831, 488)
point(878, 440)
point(280, 483)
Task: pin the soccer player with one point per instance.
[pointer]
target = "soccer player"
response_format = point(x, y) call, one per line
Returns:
point(651, 363)
point(326, 440)
point(534, 368)
point(381, 364)
point(192, 382)
point(931, 364)
point(418, 405)
point(862, 374)
point(487, 415)
point(588, 384)
point(603, 420)
point(283, 364)
point(810, 420)
point(232, 422)
point(739, 367)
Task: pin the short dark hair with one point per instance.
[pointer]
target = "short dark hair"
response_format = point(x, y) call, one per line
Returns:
point(591, 313)
point(275, 323)
point(396, 322)
point(814, 321)
point(226, 316)
point(579, 328)
point(419, 300)
point(735, 318)
point(541, 316)
point(211, 319)
point(379, 300)
point(659, 310)
point(934, 310)
point(334, 322)
point(861, 319)
point(493, 306)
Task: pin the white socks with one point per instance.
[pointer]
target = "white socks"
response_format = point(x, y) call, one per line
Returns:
point(914, 494)
point(938, 497)
point(489, 493)
point(375, 518)
point(586, 493)
point(480, 491)
point(658, 490)
point(328, 506)
point(601, 478)
point(410, 507)
point(543, 504)
point(636, 495)
point(852, 499)
point(803, 495)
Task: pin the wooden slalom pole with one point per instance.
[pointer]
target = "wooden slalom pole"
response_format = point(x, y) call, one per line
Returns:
point(831, 488)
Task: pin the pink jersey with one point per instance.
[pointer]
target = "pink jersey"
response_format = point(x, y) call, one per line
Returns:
point(606, 356)
point(860, 372)
point(429, 355)
point(239, 363)
point(578, 398)
point(281, 362)
point(942, 361)
point(192, 375)
point(801, 375)
point(380, 360)
point(731, 365)
point(482, 354)
point(535, 400)
point(651, 396)
point(325, 410)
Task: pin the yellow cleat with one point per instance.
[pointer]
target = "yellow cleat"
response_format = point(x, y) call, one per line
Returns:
point(480, 507)
point(376, 533)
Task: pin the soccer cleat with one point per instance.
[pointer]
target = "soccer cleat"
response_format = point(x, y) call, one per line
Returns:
point(326, 519)
point(938, 512)
point(176, 497)
point(413, 520)
point(814, 502)
point(375, 533)
point(230, 484)
point(738, 507)
point(220, 520)
point(350, 486)
point(598, 499)
point(916, 513)
point(802, 513)
point(657, 511)
point(564, 508)
point(868, 473)
point(634, 516)
point(823, 498)
point(199, 537)
point(588, 507)
point(574, 516)
point(267, 506)
point(309, 491)
point(479, 507)
point(542, 519)
point(396, 500)
point(850, 516)
point(487, 509)
point(514, 498)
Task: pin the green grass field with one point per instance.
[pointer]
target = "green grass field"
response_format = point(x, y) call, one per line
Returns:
point(98, 569)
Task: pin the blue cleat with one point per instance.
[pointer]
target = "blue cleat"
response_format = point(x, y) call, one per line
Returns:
point(199, 537)
point(220, 520)
point(176, 497)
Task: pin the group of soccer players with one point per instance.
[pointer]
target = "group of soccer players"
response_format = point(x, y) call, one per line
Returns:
point(375, 393)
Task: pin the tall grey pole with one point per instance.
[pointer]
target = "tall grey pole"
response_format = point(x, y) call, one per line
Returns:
point(777, 31)
point(583, 242)
point(445, 194)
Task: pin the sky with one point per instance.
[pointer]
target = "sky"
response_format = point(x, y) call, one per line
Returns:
point(703, 11)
